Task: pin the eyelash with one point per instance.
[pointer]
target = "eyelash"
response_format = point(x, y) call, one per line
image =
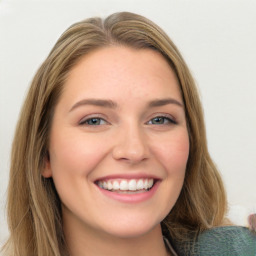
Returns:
point(166, 121)
point(86, 121)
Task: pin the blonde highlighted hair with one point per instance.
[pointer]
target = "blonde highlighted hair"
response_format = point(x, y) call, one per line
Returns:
point(34, 212)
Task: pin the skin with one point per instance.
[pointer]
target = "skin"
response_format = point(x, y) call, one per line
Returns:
point(127, 140)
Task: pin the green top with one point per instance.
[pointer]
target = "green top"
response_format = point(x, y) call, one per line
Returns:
point(221, 241)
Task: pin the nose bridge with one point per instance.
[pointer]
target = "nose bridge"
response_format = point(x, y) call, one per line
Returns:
point(131, 143)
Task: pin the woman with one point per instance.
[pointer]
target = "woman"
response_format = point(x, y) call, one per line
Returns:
point(110, 154)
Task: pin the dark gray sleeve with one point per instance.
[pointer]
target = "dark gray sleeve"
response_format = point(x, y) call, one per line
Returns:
point(227, 241)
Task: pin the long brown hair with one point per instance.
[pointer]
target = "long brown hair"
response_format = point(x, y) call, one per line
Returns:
point(34, 213)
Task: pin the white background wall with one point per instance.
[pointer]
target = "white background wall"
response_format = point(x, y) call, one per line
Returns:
point(218, 40)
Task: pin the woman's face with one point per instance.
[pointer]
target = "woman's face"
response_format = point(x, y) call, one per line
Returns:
point(119, 143)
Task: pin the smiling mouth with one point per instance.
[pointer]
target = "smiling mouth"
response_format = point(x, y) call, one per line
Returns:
point(126, 186)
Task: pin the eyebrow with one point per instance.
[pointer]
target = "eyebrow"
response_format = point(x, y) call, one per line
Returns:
point(162, 102)
point(95, 102)
point(112, 104)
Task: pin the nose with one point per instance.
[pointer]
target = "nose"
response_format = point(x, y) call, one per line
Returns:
point(131, 145)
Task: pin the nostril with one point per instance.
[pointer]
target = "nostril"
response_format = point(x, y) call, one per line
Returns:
point(128, 155)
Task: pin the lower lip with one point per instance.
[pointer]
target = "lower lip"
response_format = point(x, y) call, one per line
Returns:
point(131, 198)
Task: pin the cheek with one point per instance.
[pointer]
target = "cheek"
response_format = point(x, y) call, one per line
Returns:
point(173, 152)
point(75, 154)
point(73, 158)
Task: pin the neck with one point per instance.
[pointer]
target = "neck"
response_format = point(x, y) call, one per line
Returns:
point(98, 243)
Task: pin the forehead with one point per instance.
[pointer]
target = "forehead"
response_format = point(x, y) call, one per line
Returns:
point(116, 70)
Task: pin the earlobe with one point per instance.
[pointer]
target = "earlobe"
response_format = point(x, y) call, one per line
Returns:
point(47, 171)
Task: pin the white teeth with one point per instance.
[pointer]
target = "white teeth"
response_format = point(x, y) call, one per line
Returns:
point(146, 184)
point(115, 185)
point(140, 184)
point(132, 185)
point(126, 185)
point(109, 186)
point(150, 183)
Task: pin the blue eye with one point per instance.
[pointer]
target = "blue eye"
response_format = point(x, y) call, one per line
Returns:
point(93, 121)
point(158, 120)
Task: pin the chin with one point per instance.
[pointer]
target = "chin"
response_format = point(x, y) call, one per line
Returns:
point(133, 228)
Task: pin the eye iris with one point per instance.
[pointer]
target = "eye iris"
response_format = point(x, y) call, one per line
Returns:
point(158, 120)
point(94, 121)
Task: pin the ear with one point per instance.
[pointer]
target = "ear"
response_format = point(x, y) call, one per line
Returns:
point(47, 170)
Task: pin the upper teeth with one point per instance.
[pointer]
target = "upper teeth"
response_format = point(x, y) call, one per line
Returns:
point(132, 185)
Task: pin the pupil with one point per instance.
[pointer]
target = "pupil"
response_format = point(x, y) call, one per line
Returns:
point(94, 121)
point(158, 120)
